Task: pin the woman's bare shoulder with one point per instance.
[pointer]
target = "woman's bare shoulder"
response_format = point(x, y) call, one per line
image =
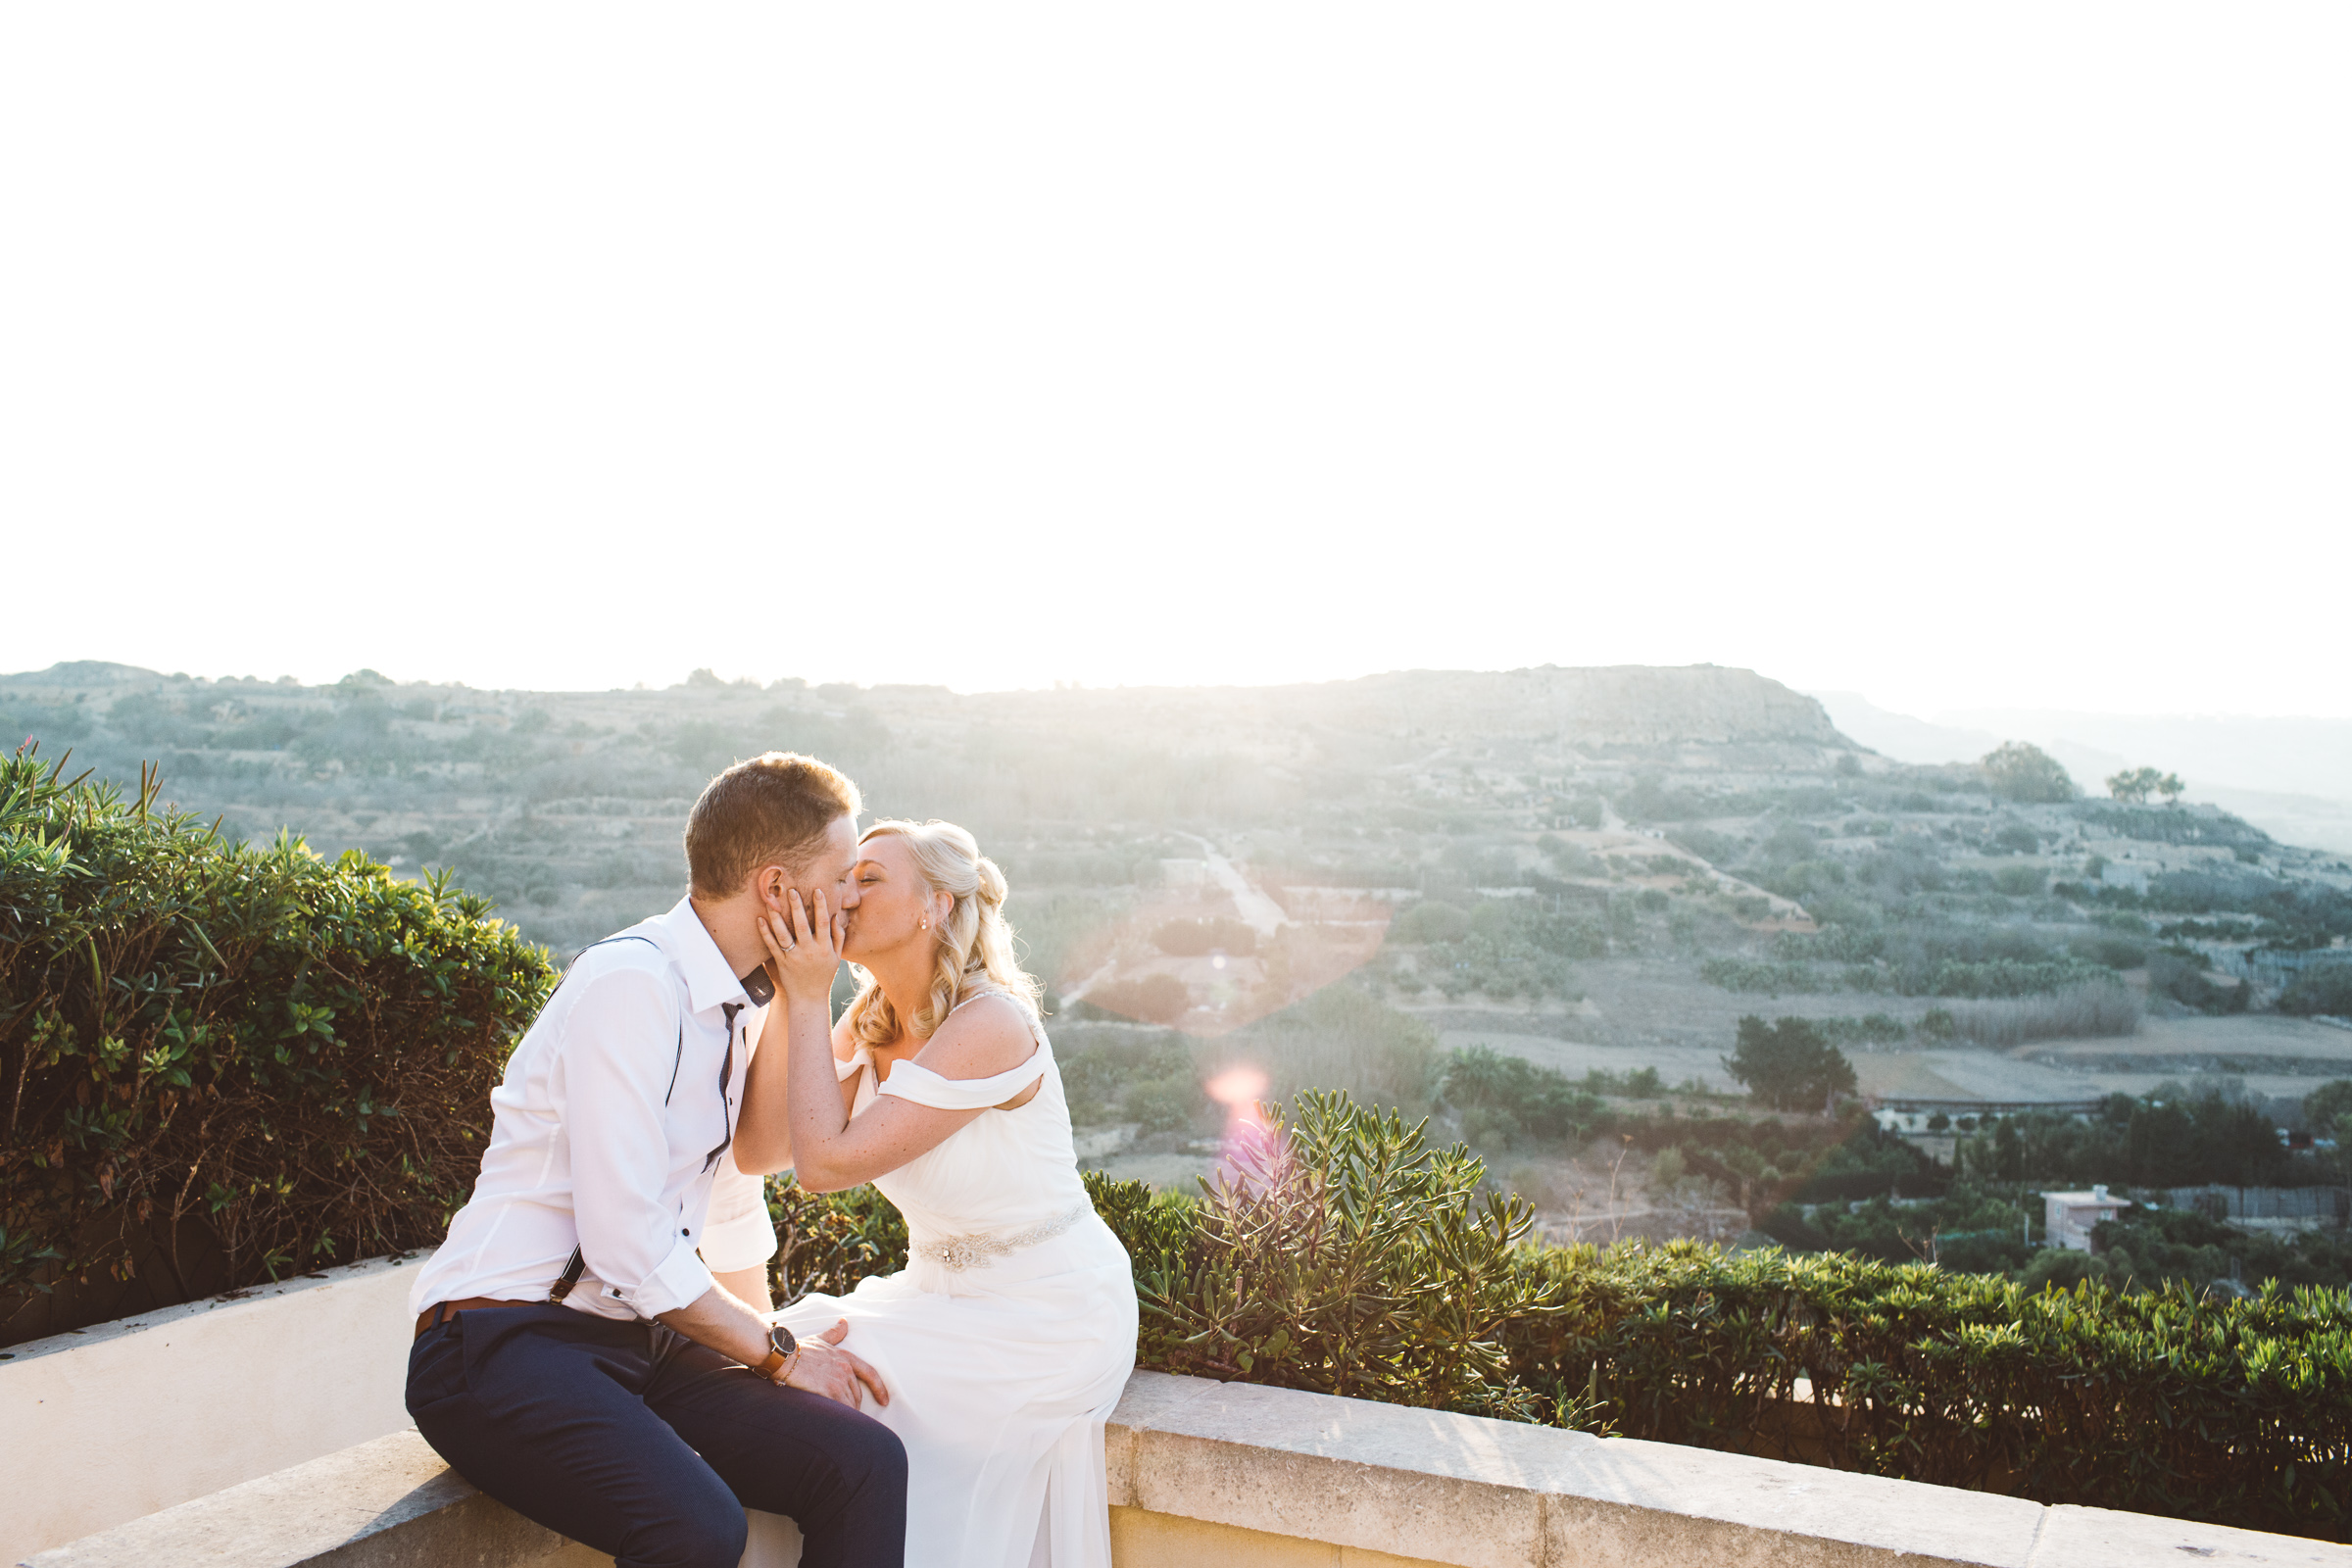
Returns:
point(985, 1035)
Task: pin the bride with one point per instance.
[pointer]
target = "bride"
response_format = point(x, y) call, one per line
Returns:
point(1007, 1337)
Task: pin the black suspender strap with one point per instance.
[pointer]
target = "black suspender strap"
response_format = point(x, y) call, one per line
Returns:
point(571, 1276)
point(726, 1075)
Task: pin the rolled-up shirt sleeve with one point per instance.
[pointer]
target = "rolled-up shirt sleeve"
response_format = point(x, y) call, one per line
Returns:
point(739, 1235)
point(619, 1052)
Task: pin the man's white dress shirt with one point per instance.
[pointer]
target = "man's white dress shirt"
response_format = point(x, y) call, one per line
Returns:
point(603, 1133)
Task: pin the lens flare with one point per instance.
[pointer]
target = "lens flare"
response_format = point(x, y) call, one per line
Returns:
point(1249, 1145)
point(1238, 1088)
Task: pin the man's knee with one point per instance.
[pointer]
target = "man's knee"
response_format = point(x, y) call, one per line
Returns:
point(869, 1456)
point(710, 1537)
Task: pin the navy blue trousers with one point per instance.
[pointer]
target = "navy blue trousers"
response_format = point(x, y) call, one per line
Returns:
point(644, 1445)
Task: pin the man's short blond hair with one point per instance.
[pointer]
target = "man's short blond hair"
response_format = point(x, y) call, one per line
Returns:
point(770, 810)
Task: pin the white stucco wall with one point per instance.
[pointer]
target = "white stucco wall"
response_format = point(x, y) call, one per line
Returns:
point(122, 1419)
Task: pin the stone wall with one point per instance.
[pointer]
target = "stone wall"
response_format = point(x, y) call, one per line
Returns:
point(224, 1433)
point(1272, 1478)
point(103, 1425)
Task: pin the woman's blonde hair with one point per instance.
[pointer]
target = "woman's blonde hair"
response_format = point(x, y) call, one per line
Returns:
point(974, 944)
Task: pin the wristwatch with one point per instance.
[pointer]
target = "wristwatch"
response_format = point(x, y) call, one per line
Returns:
point(782, 1347)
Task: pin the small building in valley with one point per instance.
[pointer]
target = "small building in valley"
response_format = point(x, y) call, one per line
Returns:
point(2068, 1218)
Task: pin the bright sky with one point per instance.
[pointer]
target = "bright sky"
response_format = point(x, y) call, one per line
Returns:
point(1964, 355)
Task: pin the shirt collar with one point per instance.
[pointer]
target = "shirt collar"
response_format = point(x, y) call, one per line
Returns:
point(683, 936)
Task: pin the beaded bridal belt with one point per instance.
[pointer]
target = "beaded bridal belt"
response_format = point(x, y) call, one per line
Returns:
point(975, 1251)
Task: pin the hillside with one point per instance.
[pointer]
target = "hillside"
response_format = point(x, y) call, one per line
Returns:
point(1615, 861)
point(567, 807)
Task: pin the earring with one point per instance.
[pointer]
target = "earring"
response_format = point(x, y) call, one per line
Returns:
point(926, 922)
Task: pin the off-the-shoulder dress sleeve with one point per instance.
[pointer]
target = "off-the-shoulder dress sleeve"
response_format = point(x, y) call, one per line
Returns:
point(913, 1081)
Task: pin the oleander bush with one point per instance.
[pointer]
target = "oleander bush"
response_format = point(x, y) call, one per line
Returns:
point(1362, 1261)
point(1342, 1253)
point(221, 1063)
point(2236, 1412)
point(1352, 1258)
point(827, 1242)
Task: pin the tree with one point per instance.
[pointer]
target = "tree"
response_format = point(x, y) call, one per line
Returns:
point(2137, 784)
point(1151, 999)
point(2323, 991)
point(1788, 1065)
point(2328, 1104)
point(2025, 773)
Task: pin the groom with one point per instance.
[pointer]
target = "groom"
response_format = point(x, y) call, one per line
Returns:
point(575, 1358)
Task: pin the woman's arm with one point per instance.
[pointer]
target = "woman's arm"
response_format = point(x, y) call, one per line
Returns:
point(831, 1151)
point(765, 1127)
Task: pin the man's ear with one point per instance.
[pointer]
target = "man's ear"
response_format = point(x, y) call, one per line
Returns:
point(771, 881)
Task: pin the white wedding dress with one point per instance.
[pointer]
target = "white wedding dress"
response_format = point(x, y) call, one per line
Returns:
point(1007, 1339)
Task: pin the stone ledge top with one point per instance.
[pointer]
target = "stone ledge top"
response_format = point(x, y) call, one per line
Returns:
point(228, 1301)
point(363, 1495)
point(1383, 1479)
point(1486, 1494)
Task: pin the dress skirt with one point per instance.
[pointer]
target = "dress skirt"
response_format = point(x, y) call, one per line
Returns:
point(1002, 1375)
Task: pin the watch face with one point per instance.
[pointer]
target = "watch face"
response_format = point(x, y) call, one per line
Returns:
point(779, 1338)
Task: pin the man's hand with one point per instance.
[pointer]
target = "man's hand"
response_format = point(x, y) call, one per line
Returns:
point(823, 1367)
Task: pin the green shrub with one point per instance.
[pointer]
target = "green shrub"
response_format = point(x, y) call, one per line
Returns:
point(1872, 1028)
point(2237, 1412)
point(1512, 1097)
point(2018, 881)
point(2151, 1248)
point(827, 1242)
point(2015, 838)
point(2025, 773)
point(1707, 844)
point(2168, 1138)
point(1205, 934)
point(226, 1062)
point(1341, 1038)
point(1100, 1068)
point(2323, 991)
point(2110, 953)
point(1349, 1258)
point(1428, 921)
point(2180, 973)
point(1994, 977)
point(2099, 1009)
point(1753, 977)
point(1164, 1104)
point(1366, 1264)
point(1146, 999)
point(2062, 1267)
point(1862, 1162)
